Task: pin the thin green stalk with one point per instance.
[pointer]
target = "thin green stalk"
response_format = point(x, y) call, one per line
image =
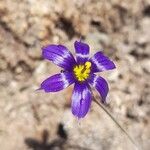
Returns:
point(116, 122)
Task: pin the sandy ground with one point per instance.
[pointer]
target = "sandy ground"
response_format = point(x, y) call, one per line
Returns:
point(33, 120)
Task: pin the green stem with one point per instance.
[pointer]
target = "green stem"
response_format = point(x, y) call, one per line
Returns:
point(115, 121)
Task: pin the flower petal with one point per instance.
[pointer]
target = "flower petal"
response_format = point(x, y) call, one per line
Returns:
point(100, 62)
point(81, 100)
point(59, 55)
point(57, 82)
point(82, 51)
point(100, 84)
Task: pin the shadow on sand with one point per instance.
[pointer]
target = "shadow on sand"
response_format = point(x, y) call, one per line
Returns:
point(61, 143)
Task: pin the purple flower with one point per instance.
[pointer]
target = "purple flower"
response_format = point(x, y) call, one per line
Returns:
point(80, 71)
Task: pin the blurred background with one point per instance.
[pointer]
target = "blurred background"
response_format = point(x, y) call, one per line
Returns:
point(31, 120)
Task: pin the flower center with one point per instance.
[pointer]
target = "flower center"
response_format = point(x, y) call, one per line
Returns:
point(82, 71)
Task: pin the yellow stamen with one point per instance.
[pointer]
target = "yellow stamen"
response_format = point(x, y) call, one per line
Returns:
point(88, 65)
point(82, 71)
